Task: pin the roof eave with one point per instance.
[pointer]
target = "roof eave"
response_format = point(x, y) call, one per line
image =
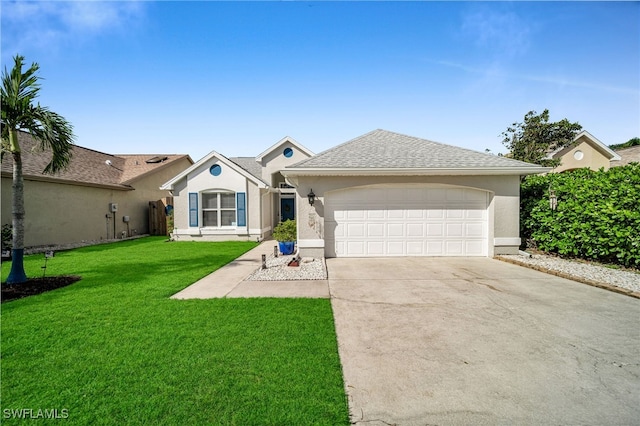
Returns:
point(168, 186)
point(42, 178)
point(467, 171)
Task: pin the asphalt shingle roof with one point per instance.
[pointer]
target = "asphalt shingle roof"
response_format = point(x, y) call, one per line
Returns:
point(628, 155)
point(86, 166)
point(385, 149)
point(249, 164)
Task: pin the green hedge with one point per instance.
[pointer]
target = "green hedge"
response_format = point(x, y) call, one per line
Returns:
point(597, 215)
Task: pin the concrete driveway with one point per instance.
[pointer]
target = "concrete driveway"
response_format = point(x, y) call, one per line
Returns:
point(473, 341)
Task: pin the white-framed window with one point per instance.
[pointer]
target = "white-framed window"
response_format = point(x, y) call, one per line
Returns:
point(218, 209)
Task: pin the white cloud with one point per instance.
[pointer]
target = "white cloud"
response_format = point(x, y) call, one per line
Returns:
point(496, 71)
point(50, 25)
point(500, 32)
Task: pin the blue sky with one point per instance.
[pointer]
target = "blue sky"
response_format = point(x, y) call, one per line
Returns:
point(236, 77)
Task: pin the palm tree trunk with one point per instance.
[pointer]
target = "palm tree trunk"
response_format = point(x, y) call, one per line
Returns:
point(17, 274)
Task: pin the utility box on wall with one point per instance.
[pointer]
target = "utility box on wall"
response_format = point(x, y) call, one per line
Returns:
point(113, 207)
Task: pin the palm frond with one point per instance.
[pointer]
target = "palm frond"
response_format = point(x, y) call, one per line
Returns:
point(54, 134)
point(18, 93)
point(19, 90)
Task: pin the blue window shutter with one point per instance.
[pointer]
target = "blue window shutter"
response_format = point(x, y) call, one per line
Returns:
point(193, 209)
point(241, 206)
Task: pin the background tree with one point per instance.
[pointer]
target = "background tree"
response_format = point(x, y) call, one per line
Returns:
point(51, 131)
point(627, 144)
point(534, 139)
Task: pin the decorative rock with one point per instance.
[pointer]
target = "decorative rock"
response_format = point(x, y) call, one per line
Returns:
point(277, 270)
point(584, 271)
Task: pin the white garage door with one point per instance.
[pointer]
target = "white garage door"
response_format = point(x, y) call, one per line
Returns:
point(406, 221)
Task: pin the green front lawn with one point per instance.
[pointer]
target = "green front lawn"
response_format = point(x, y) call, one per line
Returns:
point(114, 349)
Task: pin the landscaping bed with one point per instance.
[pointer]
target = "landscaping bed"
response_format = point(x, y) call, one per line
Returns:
point(35, 286)
point(618, 279)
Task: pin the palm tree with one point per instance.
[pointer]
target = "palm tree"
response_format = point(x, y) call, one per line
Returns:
point(50, 130)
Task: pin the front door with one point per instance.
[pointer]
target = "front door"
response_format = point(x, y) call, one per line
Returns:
point(287, 209)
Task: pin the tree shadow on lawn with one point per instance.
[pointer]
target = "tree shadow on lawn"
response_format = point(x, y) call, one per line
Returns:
point(135, 272)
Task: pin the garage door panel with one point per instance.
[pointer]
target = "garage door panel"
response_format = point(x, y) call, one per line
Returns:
point(436, 195)
point(395, 230)
point(395, 248)
point(454, 214)
point(375, 248)
point(337, 215)
point(355, 214)
point(355, 248)
point(423, 221)
point(454, 230)
point(415, 248)
point(415, 214)
point(376, 214)
point(454, 247)
point(474, 247)
point(479, 197)
point(454, 195)
point(435, 229)
point(435, 248)
point(375, 229)
point(395, 214)
point(415, 230)
point(475, 214)
point(355, 230)
point(474, 230)
point(417, 194)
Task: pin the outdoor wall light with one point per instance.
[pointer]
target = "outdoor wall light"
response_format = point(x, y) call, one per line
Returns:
point(312, 197)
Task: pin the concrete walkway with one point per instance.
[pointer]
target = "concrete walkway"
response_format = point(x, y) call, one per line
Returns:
point(229, 281)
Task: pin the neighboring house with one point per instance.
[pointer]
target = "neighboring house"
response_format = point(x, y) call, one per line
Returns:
point(235, 198)
point(78, 203)
point(388, 194)
point(627, 155)
point(585, 151)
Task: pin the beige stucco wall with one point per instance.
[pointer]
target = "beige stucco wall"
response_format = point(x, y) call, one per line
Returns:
point(275, 161)
point(63, 214)
point(272, 163)
point(503, 209)
point(592, 158)
point(59, 213)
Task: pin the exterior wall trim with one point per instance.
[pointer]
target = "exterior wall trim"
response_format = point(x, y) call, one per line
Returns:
point(317, 243)
point(507, 241)
point(479, 171)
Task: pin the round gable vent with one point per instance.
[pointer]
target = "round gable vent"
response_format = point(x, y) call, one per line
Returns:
point(215, 170)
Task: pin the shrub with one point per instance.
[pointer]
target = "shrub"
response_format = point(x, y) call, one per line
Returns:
point(285, 231)
point(597, 215)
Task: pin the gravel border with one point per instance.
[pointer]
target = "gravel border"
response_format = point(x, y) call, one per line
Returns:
point(277, 270)
point(617, 280)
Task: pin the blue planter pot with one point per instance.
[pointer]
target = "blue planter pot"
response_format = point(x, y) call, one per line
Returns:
point(286, 247)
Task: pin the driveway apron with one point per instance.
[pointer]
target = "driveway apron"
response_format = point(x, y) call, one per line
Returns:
point(452, 341)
